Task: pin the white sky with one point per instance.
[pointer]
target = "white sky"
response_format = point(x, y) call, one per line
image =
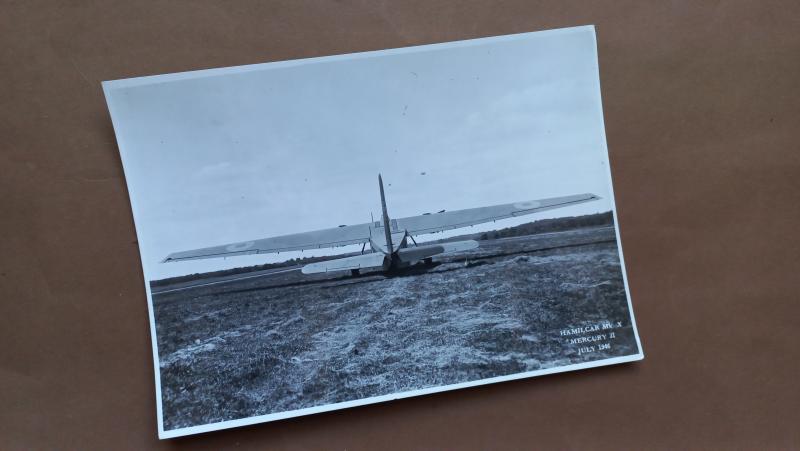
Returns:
point(214, 157)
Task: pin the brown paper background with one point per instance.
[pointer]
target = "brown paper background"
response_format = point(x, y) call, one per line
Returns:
point(702, 109)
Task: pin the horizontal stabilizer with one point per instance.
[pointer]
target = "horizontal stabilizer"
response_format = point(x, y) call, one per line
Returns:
point(373, 260)
point(458, 246)
point(412, 254)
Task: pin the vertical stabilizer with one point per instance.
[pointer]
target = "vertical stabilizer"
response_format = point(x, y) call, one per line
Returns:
point(387, 229)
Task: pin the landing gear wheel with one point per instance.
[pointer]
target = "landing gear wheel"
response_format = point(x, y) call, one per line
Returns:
point(355, 272)
point(428, 261)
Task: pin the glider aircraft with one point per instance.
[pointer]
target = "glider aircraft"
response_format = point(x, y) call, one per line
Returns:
point(388, 238)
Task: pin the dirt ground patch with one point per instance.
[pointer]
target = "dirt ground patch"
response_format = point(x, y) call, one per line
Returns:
point(282, 343)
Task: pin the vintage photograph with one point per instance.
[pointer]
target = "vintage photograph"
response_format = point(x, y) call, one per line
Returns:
point(331, 232)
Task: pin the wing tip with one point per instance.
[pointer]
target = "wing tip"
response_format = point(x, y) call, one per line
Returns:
point(169, 258)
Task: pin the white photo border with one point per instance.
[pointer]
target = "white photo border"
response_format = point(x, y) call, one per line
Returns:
point(110, 86)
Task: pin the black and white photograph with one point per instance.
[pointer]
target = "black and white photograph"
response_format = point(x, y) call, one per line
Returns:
point(337, 231)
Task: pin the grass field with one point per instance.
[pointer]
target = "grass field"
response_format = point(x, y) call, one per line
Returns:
point(287, 341)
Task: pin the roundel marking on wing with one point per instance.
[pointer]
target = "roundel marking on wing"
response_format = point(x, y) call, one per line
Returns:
point(527, 205)
point(236, 247)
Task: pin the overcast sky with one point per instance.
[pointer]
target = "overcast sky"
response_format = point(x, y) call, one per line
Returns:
point(214, 157)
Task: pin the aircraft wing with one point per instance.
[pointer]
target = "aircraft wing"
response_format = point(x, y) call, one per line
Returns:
point(334, 237)
point(448, 220)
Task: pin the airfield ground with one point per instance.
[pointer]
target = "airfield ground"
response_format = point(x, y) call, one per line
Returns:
point(284, 341)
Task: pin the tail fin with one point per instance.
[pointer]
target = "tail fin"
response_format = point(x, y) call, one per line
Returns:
point(386, 226)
